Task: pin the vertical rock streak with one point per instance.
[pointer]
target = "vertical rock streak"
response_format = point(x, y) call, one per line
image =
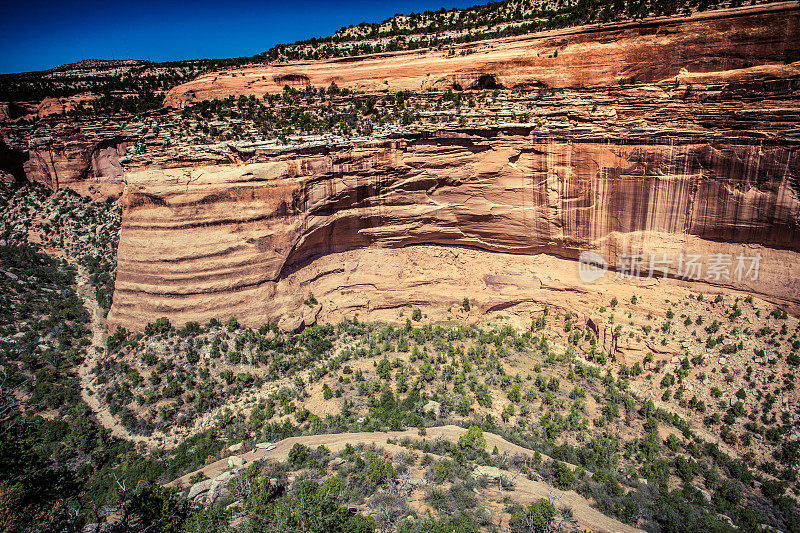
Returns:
point(236, 237)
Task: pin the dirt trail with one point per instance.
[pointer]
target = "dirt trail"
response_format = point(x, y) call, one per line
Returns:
point(94, 353)
point(525, 490)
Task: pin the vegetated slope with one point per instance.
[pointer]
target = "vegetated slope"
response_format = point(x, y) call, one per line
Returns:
point(580, 396)
point(56, 461)
point(491, 20)
point(61, 469)
point(666, 410)
point(414, 484)
point(406, 262)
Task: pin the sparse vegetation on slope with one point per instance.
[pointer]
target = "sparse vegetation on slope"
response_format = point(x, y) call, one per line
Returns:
point(638, 460)
point(491, 20)
point(639, 405)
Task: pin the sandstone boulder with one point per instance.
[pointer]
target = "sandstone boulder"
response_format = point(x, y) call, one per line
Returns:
point(236, 462)
point(199, 488)
point(491, 472)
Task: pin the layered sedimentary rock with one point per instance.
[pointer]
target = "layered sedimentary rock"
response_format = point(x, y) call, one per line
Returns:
point(249, 240)
point(78, 162)
point(742, 44)
point(57, 106)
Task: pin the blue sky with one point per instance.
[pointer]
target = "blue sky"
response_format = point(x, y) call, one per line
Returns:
point(39, 34)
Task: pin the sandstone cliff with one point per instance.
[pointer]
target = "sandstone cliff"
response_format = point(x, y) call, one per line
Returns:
point(79, 163)
point(705, 160)
point(56, 106)
point(721, 45)
point(247, 240)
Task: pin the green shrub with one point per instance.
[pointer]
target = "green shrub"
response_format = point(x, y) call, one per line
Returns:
point(298, 455)
point(563, 476)
point(536, 517)
point(162, 325)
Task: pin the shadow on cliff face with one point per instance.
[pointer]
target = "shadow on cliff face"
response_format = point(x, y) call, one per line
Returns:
point(16, 111)
point(354, 218)
point(140, 199)
point(103, 159)
point(463, 143)
point(292, 79)
point(486, 82)
point(475, 81)
point(726, 193)
point(13, 161)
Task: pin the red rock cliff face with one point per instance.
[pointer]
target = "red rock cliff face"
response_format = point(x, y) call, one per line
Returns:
point(78, 163)
point(219, 241)
point(747, 43)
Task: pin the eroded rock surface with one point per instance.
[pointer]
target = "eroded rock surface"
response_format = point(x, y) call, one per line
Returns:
point(215, 241)
point(742, 44)
point(79, 163)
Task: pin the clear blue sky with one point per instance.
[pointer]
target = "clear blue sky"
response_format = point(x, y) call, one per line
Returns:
point(39, 34)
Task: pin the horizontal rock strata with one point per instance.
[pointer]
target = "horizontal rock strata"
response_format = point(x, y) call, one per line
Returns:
point(216, 241)
point(742, 44)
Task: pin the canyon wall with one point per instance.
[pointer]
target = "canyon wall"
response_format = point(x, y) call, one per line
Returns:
point(700, 158)
point(249, 240)
point(749, 43)
point(85, 165)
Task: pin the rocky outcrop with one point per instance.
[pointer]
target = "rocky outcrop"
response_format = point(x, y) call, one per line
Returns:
point(57, 106)
point(742, 44)
point(250, 240)
point(76, 161)
point(12, 111)
point(12, 163)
